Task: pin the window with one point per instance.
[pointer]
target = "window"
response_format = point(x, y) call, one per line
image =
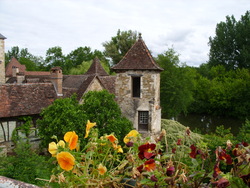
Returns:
point(143, 120)
point(136, 87)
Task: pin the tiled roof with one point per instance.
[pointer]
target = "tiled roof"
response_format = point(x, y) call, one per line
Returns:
point(96, 69)
point(2, 37)
point(14, 63)
point(25, 99)
point(108, 82)
point(137, 58)
point(37, 73)
point(73, 81)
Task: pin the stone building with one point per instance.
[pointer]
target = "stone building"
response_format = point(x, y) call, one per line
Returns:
point(2, 61)
point(136, 87)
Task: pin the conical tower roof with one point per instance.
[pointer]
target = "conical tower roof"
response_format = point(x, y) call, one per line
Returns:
point(2, 37)
point(96, 69)
point(137, 58)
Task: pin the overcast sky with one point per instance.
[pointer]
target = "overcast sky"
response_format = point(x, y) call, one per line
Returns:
point(185, 25)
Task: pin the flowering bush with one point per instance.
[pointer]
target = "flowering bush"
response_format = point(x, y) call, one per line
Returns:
point(147, 162)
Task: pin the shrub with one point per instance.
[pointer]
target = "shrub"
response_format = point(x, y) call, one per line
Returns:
point(62, 116)
point(25, 165)
point(100, 107)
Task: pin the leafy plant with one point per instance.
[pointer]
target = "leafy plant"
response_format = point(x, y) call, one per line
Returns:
point(25, 165)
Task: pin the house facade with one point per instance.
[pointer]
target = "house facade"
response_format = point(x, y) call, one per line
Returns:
point(136, 87)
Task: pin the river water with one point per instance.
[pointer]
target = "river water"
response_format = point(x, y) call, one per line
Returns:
point(208, 124)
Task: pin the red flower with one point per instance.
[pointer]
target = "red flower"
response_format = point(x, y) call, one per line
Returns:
point(153, 178)
point(221, 183)
point(170, 171)
point(149, 165)
point(246, 179)
point(140, 168)
point(193, 151)
point(221, 154)
point(245, 144)
point(217, 170)
point(145, 151)
point(173, 150)
point(178, 142)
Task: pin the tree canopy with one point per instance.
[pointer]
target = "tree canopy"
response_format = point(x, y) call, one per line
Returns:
point(176, 84)
point(119, 45)
point(230, 46)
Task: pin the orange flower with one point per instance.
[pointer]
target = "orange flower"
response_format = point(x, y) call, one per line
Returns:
point(111, 138)
point(65, 160)
point(88, 127)
point(132, 134)
point(149, 165)
point(102, 169)
point(72, 139)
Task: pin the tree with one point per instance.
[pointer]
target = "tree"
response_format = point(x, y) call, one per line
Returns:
point(119, 45)
point(84, 66)
point(68, 115)
point(62, 116)
point(55, 57)
point(231, 45)
point(78, 58)
point(32, 63)
point(176, 84)
point(101, 108)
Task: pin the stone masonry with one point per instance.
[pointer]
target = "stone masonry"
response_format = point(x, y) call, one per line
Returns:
point(2, 60)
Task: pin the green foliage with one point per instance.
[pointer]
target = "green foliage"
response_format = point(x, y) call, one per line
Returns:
point(230, 46)
point(62, 116)
point(24, 128)
point(84, 66)
point(244, 133)
point(223, 93)
point(25, 165)
point(68, 115)
point(32, 63)
point(177, 84)
point(100, 107)
point(119, 45)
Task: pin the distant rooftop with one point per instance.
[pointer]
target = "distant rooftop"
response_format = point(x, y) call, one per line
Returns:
point(2, 37)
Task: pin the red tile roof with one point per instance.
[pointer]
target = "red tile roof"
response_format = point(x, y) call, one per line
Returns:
point(14, 63)
point(25, 99)
point(137, 58)
point(96, 69)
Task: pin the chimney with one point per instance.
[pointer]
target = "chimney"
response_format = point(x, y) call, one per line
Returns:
point(56, 77)
point(2, 60)
point(20, 77)
point(15, 71)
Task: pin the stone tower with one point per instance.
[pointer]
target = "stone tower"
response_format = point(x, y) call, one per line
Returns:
point(137, 88)
point(2, 60)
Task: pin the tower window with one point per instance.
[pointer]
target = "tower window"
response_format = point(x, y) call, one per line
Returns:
point(136, 87)
point(143, 120)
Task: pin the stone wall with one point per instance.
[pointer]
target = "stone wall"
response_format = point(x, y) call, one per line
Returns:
point(2, 62)
point(149, 100)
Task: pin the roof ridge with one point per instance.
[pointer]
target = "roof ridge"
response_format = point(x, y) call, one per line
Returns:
point(138, 57)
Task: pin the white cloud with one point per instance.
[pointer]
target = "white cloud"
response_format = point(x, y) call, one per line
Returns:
point(185, 24)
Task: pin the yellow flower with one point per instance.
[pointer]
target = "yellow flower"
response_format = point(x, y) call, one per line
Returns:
point(131, 134)
point(66, 160)
point(88, 127)
point(119, 149)
point(102, 169)
point(111, 138)
point(72, 139)
point(61, 143)
point(52, 148)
